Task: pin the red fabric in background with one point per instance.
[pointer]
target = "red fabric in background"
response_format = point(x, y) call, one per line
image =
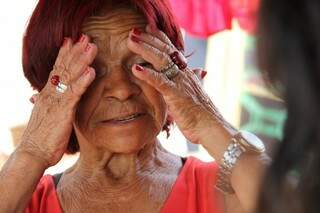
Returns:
point(193, 192)
point(245, 12)
point(203, 18)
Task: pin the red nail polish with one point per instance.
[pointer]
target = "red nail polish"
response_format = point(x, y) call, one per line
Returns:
point(88, 47)
point(82, 38)
point(65, 41)
point(203, 74)
point(32, 100)
point(135, 39)
point(139, 68)
point(87, 71)
point(136, 31)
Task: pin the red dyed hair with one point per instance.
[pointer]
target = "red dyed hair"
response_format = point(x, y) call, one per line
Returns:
point(52, 20)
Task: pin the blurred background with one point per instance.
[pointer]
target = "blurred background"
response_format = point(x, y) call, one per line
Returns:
point(219, 35)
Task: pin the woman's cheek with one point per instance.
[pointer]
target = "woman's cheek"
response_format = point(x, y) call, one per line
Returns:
point(161, 111)
point(87, 105)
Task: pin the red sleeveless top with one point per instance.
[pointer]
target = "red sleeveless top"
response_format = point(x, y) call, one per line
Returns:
point(193, 192)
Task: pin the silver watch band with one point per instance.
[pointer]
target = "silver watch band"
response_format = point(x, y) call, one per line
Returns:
point(229, 159)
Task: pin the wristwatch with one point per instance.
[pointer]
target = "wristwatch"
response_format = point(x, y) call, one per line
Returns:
point(242, 142)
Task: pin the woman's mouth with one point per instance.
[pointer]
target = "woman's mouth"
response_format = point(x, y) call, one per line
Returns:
point(124, 119)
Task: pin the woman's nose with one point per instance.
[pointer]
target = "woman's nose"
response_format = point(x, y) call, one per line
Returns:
point(121, 85)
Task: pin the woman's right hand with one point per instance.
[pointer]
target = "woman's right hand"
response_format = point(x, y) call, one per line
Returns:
point(48, 131)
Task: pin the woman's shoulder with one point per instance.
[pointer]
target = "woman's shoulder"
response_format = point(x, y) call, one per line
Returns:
point(194, 189)
point(198, 167)
point(44, 198)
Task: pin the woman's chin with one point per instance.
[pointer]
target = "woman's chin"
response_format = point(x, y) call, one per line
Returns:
point(127, 145)
point(124, 136)
point(127, 141)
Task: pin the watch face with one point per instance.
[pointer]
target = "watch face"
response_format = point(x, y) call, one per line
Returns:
point(253, 141)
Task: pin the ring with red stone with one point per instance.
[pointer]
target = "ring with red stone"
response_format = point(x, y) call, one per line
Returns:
point(178, 60)
point(60, 87)
point(55, 80)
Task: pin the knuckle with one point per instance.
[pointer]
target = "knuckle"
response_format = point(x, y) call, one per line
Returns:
point(153, 39)
point(166, 48)
point(93, 51)
point(159, 81)
point(66, 77)
point(164, 60)
point(75, 92)
point(150, 48)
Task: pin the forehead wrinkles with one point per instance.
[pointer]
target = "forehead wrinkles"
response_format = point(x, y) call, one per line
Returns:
point(116, 22)
point(111, 30)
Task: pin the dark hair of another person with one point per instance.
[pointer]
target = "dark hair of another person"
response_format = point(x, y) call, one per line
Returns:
point(53, 20)
point(289, 55)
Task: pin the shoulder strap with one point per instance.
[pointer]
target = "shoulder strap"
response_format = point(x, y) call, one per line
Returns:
point(183, 160)
point(56, 179)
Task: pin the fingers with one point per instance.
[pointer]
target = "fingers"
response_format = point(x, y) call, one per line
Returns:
point(72, 73)
point(198, 72)
point(34, 98)
point(159, 81)
point(149, 53)
point(64, 50)
point(155, 48)
point(79, 87)
point(204, 74)
point(81, 61)
point(83, 54)
point(152, 40)
point(201, 74)
point(73, 59)
point(160, 35)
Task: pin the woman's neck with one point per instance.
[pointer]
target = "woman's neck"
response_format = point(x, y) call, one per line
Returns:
point(139, 179)
point(119, 166)
point(118, 171)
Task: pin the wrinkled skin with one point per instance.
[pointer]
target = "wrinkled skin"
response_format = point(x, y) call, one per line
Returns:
point(112, 72)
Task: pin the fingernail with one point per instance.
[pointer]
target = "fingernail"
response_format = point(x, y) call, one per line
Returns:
point(88, 47)
point(82, 38)
point(136, 31)
point(135, 39)
point(31, 100)
point(203, 74)
point(139, 68)
point(87, 71)
point(152, 28)
point(65, 41)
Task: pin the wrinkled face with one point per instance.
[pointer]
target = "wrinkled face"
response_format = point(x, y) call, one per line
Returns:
point(118, 112)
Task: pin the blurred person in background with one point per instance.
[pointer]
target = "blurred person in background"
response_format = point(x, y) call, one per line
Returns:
point(111, 75)
point(289, 55)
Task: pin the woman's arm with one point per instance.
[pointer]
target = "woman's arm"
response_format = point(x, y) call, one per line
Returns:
point(18, 179)
point(46, 137)
point(247, 173)
point(192, 110)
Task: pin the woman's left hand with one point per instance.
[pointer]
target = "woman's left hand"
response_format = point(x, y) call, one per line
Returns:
point(188, 104)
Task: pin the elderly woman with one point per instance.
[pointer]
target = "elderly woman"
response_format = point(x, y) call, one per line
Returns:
point(111, 75)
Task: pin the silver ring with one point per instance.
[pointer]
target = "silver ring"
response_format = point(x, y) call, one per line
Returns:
point(169, 65)
point(61, 88)
point(171, 72)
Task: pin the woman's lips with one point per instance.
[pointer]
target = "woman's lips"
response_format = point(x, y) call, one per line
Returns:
point(124, 119)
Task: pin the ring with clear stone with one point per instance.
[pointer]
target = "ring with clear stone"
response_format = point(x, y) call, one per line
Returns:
point(61, 88)
point(171, 70)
